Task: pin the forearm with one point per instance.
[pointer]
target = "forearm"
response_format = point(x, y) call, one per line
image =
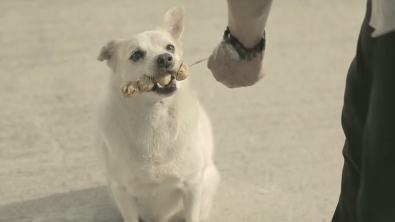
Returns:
point(247, 20)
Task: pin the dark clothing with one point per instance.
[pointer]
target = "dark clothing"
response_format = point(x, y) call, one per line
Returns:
point(368, 120)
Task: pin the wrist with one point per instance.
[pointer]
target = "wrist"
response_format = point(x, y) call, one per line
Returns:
point(247, 36)
point(238, 51)
point(247, 20)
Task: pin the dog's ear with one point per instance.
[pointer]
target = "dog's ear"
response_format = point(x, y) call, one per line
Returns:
point(174, 22)
point(107, 51)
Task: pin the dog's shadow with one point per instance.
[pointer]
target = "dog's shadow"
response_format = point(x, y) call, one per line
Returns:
point(90, 205)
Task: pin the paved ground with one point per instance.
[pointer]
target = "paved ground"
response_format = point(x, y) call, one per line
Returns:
point(278, 143)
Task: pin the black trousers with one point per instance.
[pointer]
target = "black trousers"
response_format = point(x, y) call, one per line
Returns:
point(368, 120)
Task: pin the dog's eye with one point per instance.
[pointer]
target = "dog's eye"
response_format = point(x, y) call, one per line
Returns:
point(170, 48)
point(136, 55)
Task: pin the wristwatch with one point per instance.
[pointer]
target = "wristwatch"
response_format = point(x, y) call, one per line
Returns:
point(234, 45)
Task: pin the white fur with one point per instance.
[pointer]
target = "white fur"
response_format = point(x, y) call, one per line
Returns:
point(157, 151)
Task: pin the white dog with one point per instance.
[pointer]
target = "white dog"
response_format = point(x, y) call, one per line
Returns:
point(156, 148)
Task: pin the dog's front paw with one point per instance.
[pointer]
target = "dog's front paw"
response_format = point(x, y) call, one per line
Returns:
point(130, 89)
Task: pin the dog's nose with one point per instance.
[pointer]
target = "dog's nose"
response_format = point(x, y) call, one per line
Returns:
point(164, 60)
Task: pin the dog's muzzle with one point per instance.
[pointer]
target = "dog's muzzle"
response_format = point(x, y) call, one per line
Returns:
point(167, 89)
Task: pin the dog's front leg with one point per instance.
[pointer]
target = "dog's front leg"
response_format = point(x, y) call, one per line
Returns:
point(126, 204)
point(192, 200)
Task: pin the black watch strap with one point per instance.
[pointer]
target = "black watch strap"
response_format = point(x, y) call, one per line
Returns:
point(244, 54)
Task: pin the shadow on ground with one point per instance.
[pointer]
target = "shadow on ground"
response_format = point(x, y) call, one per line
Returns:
point(90, 205)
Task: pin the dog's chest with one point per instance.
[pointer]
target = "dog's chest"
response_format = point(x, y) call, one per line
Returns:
point(161, 163)
point(161, 147)
point(168, 146)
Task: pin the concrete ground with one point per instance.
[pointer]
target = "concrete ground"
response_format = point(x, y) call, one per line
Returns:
point(278, 143)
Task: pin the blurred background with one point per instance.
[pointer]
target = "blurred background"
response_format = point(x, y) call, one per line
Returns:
point(278, 144)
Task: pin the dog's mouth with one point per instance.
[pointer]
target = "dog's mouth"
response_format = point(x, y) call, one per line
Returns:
point(166, 89)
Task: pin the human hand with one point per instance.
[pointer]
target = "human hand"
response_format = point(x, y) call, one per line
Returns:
point(233, 72)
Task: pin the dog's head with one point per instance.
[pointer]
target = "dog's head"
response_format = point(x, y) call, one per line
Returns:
point(151, 52)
